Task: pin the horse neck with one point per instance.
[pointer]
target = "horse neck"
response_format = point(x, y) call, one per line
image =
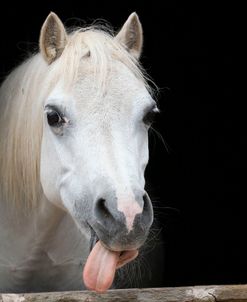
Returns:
point(24, 235)
point(38, 222)
point(47, 231)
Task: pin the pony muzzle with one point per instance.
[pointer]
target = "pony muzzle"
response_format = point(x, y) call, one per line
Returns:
point(114, 242)
point(122, 226)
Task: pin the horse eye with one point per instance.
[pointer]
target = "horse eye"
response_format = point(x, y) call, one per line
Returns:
point(150, 116)
point(54, 119)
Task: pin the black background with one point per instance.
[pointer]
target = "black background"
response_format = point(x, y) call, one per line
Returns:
point(197, 178)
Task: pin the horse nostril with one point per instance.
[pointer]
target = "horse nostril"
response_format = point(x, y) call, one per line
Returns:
point(101, 209)
point(145, 202)
point(147, 205)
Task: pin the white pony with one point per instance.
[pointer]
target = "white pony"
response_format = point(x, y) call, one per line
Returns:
point(74, 122)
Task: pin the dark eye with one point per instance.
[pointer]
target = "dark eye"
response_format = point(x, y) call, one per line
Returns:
point(54, 118)
point(150, 116)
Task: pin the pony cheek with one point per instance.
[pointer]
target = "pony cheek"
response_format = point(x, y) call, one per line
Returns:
point(49, 189)
point(51, 194)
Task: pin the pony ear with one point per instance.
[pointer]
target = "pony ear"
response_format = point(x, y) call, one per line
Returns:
point(131, 35)
point(53, 38)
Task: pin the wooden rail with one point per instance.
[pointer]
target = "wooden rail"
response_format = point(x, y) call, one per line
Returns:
point(218, 293)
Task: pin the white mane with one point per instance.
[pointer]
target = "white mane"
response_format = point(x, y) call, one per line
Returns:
point(21, 100)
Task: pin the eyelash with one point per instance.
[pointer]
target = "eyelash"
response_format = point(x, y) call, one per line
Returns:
point(55, 118)
point(150, 116)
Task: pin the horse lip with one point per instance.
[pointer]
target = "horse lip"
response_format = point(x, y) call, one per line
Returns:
point(93, 239)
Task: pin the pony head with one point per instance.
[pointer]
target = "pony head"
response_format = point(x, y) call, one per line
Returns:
point(94, 147)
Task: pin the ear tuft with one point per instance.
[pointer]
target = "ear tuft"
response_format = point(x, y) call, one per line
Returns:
point(53, 38)
point(131, 35)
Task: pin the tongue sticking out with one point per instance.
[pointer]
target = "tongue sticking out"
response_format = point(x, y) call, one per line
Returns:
point(101, 265)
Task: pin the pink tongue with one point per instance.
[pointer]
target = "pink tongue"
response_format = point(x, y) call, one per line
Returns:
point(101, 265)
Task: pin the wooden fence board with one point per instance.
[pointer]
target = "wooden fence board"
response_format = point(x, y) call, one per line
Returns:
point(218, 293)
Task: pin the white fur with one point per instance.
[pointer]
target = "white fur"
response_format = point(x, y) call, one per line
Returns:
point(49, 181)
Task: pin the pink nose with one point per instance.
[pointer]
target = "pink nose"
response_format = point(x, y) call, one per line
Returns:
point(130, 208)
point(122, 221)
